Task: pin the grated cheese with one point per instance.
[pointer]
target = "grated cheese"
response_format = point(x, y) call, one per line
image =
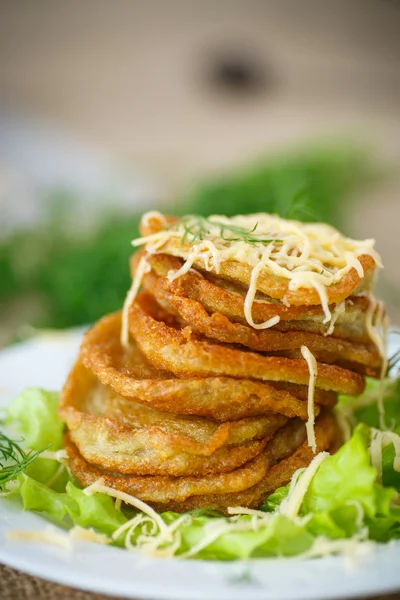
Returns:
point(99, 487)
point(377, 328)
point(142, 268)
point(56, 475)
point(379, 440)
point(48, 536)
point(313, 369)
point(356, 547)
point(88, 535)
point(338, 311)
point(376, 324)
point(309, 255)
point(157, 538)
point(59, 455)
point(299, 484)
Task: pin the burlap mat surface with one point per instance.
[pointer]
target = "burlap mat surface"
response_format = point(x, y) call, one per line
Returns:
point(15, 585)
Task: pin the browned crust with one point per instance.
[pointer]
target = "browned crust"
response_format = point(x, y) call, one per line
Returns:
point(129, 374)
point(218, 327)
point(228, 300)
point(166, 488)
point(144, 442)
point(182, 494)
point(181, 352)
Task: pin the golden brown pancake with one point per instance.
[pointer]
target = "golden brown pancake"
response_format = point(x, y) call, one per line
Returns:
point(363, 358)
point(130, 375)
point(222, 297)
point(135, 439)
point(246, 486)
point(167, 346)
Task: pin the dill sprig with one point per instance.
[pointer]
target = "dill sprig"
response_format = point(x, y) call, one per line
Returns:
point(14, 459)
point(393, 361)
point(197, 228)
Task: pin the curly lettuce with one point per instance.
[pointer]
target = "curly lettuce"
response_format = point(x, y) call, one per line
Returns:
point(345, 501)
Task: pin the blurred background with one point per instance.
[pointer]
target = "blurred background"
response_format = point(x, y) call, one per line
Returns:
point(108, 109)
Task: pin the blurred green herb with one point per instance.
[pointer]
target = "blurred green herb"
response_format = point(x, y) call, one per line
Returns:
point(311, 185)
point(79, 275)
point(13, 459)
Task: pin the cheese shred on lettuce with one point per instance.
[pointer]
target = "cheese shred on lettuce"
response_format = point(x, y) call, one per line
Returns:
point(339, 504)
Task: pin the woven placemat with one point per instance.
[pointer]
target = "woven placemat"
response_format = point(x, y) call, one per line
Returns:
point(15, 585)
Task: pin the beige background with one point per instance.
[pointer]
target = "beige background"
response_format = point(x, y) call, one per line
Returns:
point(134, 78)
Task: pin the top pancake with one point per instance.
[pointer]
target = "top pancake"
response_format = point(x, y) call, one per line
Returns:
point(224, 298)
point(271, 284)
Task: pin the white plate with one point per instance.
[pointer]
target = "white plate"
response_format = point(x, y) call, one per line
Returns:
point(45, 362)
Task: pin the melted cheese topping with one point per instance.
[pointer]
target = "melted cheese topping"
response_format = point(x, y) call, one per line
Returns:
point(308, 255)
point(313, 369)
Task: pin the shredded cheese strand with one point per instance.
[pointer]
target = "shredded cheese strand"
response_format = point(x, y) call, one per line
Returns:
point(47, 536)
point(291, 505)
point(88, 535)
point(379, 440)
point(59, 455)
point(249, 300)
point(142, 268)
point(99, 487)
point(313, 369)
point(338, 311)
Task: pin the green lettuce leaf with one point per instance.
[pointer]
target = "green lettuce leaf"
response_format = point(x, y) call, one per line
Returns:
point(33, 415)
point(39, 498)
point(280, 537)
point(97, 511)
point(344, 477)
point(390, 477)
point(343, 498)
point(369, 414)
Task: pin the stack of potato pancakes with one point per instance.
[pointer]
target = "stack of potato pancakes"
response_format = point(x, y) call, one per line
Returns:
point(218, 379)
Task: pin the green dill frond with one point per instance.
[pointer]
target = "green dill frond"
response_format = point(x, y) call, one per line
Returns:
point(14, 459)
point(196, 228)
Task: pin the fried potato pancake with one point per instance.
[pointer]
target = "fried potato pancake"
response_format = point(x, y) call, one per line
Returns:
point(288, 453)
point(132, 377)
point(225, 298)
point(216, 326)
point(143, 441)
point(269, 283)
point(164, 488)
point(271, 469)
point(178, 350)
